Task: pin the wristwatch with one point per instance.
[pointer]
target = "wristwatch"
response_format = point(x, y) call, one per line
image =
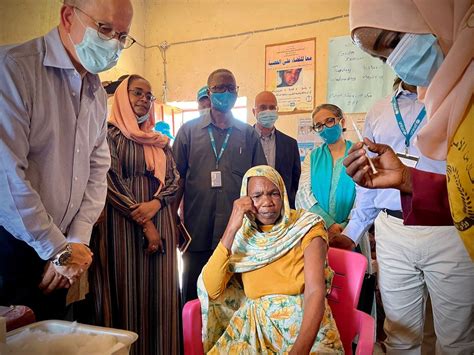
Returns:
point(63, 256)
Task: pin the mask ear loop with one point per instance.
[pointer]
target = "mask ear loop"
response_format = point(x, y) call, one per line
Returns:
point(343, 128)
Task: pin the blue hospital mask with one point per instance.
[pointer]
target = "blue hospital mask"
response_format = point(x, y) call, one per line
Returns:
point(96, 54)
point(223, 101)
point(332, 134)
point(416, 59)
point(267, 118)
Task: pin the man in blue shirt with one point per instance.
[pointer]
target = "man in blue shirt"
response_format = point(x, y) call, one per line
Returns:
point(53, 151)
point(212, 152)
point(413, 261)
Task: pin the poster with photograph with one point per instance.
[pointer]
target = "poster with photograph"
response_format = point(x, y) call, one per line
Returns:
point(290, 74)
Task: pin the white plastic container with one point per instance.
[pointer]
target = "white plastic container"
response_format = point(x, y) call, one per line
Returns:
point(124, 338)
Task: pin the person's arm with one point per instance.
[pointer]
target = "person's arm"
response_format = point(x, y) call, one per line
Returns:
point(145, 211)
point(314, 295)
point(93, 201)
point(428, 204)
point(328, 220)
point(424, 209)
point(304, 196)
point(181, 156)
point(362, 216)
point(22, 212)
point(391, 173)
point(296, 173)
point(215, 273)
point(119, 194)
point(168, 193)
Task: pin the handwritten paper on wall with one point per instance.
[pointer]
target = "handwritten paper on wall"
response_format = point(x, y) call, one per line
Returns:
point(355, 79)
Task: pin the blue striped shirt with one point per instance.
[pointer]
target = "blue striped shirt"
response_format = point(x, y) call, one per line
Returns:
point(53, 151)
point(381, 127)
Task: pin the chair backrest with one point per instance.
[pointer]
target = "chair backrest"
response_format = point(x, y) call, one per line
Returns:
point(349, 268)
point(192, 325)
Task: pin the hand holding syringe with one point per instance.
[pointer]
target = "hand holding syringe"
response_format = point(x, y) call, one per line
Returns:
point(374, 171)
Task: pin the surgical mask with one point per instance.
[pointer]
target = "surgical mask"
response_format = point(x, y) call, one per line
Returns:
point(223, 101)
point(416, 59)
point(267, 118)
point(141, 119)
point(96, 54)
point(332, 134)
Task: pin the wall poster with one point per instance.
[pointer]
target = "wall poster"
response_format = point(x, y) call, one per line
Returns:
point(290, 74)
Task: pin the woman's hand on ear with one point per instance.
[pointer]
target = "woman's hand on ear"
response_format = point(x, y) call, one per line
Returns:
point(242, 206)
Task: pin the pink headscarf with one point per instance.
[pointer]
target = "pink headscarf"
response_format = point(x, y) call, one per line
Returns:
point(123, 117)
point(450, 91)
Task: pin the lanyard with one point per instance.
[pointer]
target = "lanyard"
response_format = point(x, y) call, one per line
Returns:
point(213, 143)
point(401, 124)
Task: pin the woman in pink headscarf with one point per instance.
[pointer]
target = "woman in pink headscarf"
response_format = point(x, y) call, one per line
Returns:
point(429, 44)
point(138, 274)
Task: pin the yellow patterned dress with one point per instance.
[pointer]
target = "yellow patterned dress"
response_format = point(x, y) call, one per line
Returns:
point(252, 299)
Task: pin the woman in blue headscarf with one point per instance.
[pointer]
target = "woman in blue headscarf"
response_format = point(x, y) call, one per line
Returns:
point(325, 188)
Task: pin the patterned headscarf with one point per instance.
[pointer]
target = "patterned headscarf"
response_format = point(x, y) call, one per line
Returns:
point(253, 248)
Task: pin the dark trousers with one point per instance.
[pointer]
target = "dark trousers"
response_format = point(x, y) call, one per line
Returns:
point(193, 262)
point(21, 271)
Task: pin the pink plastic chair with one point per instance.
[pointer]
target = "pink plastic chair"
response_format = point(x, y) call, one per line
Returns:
point(349, 268)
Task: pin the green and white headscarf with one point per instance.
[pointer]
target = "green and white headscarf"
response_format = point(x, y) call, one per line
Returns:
point(253, 248)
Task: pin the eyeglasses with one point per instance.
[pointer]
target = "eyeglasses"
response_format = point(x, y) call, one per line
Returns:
point(264, 107)
point(140, 93)
point(107, 33)
point(223, 88)
point(330, 122)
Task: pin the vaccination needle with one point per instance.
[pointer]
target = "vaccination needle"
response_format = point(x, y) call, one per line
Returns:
point(374, 171)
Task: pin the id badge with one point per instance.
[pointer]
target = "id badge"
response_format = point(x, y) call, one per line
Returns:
point(408, 160)
point(216, 179)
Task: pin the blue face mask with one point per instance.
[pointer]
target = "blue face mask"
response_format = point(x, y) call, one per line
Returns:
point(223, 101)
point(332, 134)
point(95, 54)
point(416, 59)
point(267, 118)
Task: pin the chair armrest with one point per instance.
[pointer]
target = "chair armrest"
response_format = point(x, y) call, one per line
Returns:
point(366, 331)
point(192, 328)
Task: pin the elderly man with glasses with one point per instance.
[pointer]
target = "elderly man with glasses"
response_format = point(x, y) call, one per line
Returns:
point(212, 154)
point(53, 151)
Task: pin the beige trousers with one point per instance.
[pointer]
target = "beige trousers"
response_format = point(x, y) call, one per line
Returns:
point(413, 262)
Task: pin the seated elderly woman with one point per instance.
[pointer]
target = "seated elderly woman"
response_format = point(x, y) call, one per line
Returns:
point(276, 302)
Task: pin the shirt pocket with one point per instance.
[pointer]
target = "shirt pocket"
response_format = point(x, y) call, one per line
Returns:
point(242, 159)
